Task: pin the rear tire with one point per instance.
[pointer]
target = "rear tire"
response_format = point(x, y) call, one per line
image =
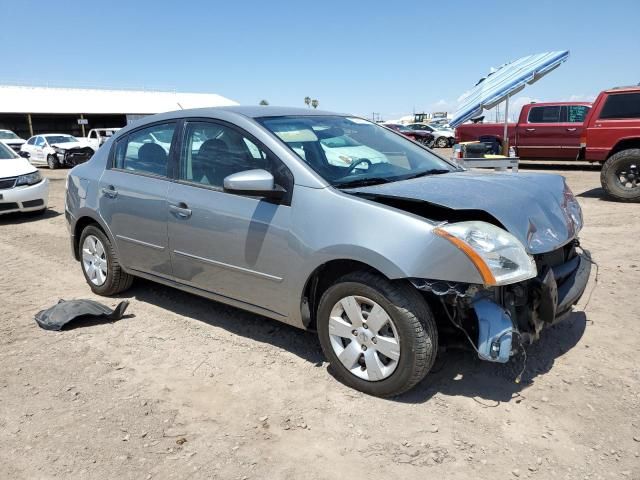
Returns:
point(53, 162)
point(409, 328)
point(117, 280)
point(620, 176)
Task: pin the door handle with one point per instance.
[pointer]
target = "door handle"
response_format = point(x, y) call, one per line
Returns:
point(180, 210)
point(110, 192)
point(530, 129)
point(571, 129)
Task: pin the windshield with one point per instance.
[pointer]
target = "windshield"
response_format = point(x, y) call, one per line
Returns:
point(348, 151)
point(6, 153)
point(60, 139)
point(7, 135)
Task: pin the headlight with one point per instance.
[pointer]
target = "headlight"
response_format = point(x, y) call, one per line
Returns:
point(59, 150)
point(499, 256)
point(572, 208)
point(29, 179)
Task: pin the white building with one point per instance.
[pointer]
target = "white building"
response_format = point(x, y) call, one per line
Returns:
point(32, 110)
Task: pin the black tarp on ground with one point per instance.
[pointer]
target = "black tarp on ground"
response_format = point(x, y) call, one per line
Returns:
point(56, 317)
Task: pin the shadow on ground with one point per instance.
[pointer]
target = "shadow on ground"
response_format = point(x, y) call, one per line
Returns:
point(462, 373)
point(456, 372)
point(18, 217)
point(261, 329)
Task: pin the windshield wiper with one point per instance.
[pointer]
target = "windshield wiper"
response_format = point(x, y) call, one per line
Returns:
point(362, 182)
point(433, 171)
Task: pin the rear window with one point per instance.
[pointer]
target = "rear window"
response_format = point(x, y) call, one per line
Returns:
point(576, 113)
point(621, 105)
point(550, 114)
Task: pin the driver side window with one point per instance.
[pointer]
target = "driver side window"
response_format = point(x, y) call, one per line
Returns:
point(211, 152)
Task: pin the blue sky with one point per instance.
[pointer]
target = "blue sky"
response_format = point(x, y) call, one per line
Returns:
point(354, 56)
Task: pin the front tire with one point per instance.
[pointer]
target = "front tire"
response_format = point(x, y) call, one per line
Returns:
point(442, 142)
point(100, 264)
point(379, 336)
point(53, 162)
point(620, 175)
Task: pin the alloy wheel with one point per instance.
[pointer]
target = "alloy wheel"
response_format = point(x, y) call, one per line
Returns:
point(628, 175)
point(364, 338)
point(94, 260)
point(442, 142)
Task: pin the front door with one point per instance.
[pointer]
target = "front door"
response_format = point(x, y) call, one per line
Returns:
point(38, 151)
point(538, 137)
point(133, 198)
point(231, 245)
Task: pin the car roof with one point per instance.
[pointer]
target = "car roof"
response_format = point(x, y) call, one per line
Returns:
point(54, 135)
point(630, 88)
point(259, 111)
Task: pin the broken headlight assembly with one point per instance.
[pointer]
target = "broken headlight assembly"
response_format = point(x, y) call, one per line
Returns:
point(29, 179)
point(499, 256)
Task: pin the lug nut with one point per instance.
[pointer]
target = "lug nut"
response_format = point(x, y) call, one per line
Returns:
point(355, 333)
point(365, 326)
point(374, 340)
point(364, 348)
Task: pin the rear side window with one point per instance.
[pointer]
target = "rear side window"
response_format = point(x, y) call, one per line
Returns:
point(146, 150)
point(576, 113)
point(621, 105)
point(550, 114)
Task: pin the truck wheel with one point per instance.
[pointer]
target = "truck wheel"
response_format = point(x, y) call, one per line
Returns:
point(442, 142)
point(100, 264)
point(620, 175)
point(380, 337)
point(53, 162)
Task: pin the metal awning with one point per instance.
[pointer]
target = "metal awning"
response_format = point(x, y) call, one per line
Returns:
point(506, 81)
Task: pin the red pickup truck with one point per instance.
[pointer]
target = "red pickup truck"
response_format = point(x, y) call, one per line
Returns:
point(612, 135)
point(544, 130)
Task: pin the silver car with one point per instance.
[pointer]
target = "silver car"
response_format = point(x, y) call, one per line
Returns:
point(241, 205)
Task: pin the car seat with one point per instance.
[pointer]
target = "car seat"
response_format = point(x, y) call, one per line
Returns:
point(153, 159)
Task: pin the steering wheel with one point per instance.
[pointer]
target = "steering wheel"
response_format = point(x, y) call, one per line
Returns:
point(353, 166)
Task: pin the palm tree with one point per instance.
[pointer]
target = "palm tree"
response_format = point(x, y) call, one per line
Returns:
point(315, 103)
point(264, 102)
point(307, 101)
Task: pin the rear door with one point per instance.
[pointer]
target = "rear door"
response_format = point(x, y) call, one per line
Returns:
point(571, 127)
point(133, 197)
point(539, 136)
point(232, 245)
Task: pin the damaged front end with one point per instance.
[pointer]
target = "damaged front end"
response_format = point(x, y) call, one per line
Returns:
point(73, 156)
point(497, 319)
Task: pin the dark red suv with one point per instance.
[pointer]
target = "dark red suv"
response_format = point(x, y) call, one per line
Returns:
point(612, 135)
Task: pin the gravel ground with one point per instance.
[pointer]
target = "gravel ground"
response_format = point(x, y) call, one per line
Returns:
point(188, 388)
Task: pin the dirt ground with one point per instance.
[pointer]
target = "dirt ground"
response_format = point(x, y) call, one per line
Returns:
point(188, 388)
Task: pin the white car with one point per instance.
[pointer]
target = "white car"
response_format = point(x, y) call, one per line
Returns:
point(342, 151)
point(22, 188)
point(442, 137)
point(56, 150)
point(11, 139)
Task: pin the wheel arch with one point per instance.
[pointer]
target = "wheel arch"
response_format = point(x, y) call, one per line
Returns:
point(624, 144)
point(80, 224)
point(321, 278)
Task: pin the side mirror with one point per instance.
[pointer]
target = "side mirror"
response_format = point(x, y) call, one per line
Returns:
point(256, 183)
point(23, 154)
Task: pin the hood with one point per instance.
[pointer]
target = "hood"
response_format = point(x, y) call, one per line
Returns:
point(538, 209)
point(70, 145)
point(13, 141)
point(13, 167)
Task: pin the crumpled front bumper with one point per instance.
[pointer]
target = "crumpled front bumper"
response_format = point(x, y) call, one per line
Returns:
point(501, 318)
point(529, 306)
